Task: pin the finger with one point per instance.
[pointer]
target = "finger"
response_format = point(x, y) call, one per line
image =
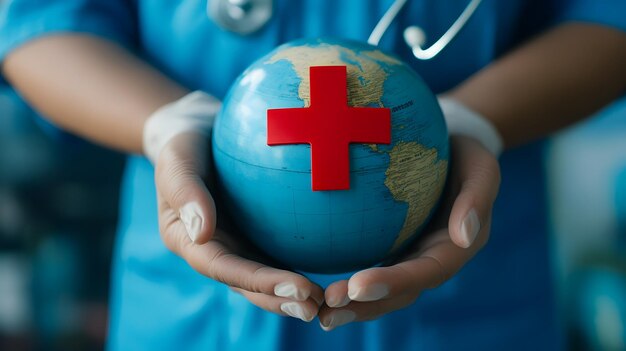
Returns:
point(217, 261)
point(336, 294)
point(479, 177)
point(331, 318)
point(304, 310)
point(409, 277)
point(179, 172)
point(380, 290)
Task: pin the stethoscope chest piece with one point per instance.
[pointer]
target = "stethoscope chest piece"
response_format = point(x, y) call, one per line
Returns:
point(240, 16)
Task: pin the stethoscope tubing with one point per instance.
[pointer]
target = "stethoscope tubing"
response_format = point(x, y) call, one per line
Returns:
point(413, 36)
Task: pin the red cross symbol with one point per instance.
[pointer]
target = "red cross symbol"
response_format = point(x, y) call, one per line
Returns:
point(329, 125)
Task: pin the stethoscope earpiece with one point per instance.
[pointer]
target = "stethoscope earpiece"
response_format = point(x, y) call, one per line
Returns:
point(414, 37)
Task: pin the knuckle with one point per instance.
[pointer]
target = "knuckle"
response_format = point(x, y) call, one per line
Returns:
point(168, 154)
point(179, 194)
point(482, 183)
point(491, 171)
point(214, 266)
point(255, 281)
point(174, 168)
point(442, 274)
point(482, 172)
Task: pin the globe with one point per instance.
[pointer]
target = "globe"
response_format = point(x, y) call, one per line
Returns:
point(393, 190)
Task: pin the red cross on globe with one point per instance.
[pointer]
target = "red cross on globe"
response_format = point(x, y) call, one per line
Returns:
point(328, 114)
point(329, 125)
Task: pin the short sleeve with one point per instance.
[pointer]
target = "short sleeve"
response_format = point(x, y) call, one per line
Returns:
point(611, 13)
point(25, 20)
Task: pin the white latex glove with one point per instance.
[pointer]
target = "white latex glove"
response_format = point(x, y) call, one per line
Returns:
point(456, 233)
point(177, 141)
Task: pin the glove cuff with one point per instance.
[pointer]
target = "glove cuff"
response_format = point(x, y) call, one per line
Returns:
point(194, 112)
point(460, 120)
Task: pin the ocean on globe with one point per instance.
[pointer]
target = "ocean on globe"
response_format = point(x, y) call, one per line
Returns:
point(394, 189)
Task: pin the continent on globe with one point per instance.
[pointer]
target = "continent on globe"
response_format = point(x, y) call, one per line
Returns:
point(410, 161)
point(394, 188)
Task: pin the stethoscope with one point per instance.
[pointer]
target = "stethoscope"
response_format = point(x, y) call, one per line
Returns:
point(247, 16)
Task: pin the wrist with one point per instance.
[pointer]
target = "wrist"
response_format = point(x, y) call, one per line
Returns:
point(461, 120)
point(194, 112)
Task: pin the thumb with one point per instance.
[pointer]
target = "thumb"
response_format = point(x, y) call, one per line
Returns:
point(478, 174)
point(178, 176)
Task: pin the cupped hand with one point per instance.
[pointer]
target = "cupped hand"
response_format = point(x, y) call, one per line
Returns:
point(187, 222)
point(458, 231)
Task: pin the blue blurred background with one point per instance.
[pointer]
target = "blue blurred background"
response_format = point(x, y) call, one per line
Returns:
point(586, 167)
point(58, 211)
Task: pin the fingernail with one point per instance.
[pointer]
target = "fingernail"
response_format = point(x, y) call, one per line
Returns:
point(336, 303)
point(372, 292)
point(470, 228)
point(290, 291)
point(337, 319)
point(191, 216)
point(295, 310)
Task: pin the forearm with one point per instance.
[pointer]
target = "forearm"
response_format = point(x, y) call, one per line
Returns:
point(91, 87)
point(553, 81)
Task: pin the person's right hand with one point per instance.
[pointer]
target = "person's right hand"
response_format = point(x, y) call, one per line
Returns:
point(187, 222)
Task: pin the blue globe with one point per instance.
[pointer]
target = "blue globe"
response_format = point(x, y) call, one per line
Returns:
point(394, 188)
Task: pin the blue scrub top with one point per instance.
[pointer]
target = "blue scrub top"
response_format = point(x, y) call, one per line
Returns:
point(501, 300)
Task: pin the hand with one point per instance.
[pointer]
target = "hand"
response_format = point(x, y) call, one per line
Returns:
point(187, 221)
point(459, 230)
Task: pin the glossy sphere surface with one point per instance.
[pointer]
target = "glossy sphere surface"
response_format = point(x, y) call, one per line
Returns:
point(394, 188)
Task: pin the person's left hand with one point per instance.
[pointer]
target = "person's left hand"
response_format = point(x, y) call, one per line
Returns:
point(459, 230)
